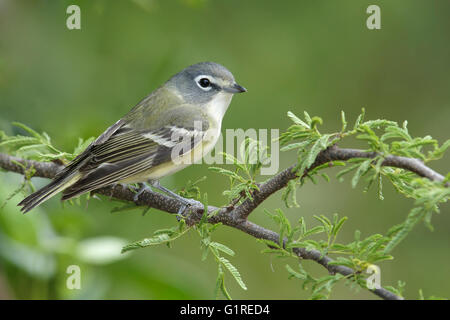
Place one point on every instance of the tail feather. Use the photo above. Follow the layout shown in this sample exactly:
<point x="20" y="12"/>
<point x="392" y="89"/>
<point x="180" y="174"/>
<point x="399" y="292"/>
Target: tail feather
<point x="47" y="192"/>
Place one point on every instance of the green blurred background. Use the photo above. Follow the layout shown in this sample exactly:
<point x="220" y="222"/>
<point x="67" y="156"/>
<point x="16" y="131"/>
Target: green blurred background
<point x="295" y="55"/>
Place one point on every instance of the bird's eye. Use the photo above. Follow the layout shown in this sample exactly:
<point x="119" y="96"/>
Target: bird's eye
<point x="204" y="82"/>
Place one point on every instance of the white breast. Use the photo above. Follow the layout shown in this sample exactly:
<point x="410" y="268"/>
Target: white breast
<point x="215" y="111"/>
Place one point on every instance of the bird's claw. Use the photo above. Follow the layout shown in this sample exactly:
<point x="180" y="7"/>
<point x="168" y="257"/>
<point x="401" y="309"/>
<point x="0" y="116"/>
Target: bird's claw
<point x="185" y="203"/>
<point x="182" y="211"/>
<point x="142" y="188"/>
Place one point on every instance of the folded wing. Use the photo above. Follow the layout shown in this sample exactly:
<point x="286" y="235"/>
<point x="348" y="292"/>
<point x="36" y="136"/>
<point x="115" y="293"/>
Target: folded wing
<point x="128" y="152"/>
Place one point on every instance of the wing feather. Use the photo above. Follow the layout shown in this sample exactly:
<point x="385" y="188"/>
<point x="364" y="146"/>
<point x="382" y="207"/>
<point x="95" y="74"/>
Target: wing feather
<point x="129" y="152"/>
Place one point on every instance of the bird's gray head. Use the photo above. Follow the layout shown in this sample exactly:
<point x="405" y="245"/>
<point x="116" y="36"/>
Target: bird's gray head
<point x="202" y="82"/>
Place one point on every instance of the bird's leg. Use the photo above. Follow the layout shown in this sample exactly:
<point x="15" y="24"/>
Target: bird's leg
<point x="142" y="188"/>
<point x="185" y="202"/>
<point x="113" y="187"/>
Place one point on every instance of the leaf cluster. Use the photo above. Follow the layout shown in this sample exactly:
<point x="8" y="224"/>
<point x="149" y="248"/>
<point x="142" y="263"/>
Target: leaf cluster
<point x="207" y="245"/>
<point x="357" y="255"/>
<point x="243" y="178"/>
<point x="38" y="146"/>
<point x="384" y="138"/>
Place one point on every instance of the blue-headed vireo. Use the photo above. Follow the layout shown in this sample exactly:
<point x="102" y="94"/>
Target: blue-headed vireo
<point x="178" y="122"/>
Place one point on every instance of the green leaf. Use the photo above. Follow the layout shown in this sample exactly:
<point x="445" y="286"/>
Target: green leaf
<point x="28" y="129"/>
<point x="341" y="261"/>
<point x="347" y="170"/>
<point x="160" y="237"/>
<point x="220" y="284"/>
<point x="316" y="121"/>
<point x="222" y="247"/>
<point x="394" y="132"/>
<point x="359" y="119"/>
<point x="307" y="118"/>
<point x="234" y="272"/>
<point x="344" y="122"/>
<point x="270" y="243"/>
<point x="297" y="120"/>
<point x="413" y="217"/>
<point x="296" y="274"/>
<point x="337" y="226"/>
<point x="325" y="222"/>
<point x="317" y="147"/>
<point x="362" y="169"/>
<point x="314" y="230"/>
<point x="297" y="145"/>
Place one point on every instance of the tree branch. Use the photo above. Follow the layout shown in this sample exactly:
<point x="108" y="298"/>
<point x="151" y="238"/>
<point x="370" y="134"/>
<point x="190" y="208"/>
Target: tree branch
<point x="236" y="217"/>
<point x="328" y="155"/>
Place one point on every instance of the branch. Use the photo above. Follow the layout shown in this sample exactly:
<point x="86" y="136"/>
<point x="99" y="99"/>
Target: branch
<point x="236" y="217"/>
<point x="328" y="155"/>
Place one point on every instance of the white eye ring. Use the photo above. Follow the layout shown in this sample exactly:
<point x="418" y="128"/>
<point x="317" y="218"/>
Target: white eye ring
<point x="200" y="77"/>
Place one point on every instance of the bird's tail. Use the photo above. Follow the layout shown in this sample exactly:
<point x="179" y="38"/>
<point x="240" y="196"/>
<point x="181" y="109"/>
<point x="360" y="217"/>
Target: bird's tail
<point x="48" y="191"/>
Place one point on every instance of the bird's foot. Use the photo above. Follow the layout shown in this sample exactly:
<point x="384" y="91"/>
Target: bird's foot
<point x="183" y="211"/>
<point x="113" y="187"/>
<point x="186" y="203"/>
<point x="142" y="187"/>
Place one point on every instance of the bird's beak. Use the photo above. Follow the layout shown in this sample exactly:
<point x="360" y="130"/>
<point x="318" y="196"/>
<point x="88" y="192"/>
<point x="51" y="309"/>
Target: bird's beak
<point x="235" y="88"/>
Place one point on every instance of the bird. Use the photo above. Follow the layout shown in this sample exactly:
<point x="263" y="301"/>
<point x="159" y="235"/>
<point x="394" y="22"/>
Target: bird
<point x="174" y="126"/>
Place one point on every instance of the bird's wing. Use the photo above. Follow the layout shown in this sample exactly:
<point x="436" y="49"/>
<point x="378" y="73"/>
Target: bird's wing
<point x="140" y="117"/>
<point x="84" y="156"/>
<point x="128" y="152"/>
